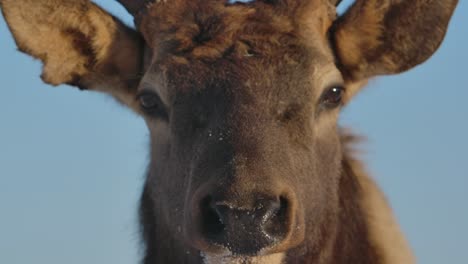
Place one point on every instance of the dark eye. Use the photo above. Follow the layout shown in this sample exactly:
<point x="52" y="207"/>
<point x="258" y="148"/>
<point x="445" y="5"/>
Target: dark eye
<point x="333" y="97"/>
<point x="152" y="104"/>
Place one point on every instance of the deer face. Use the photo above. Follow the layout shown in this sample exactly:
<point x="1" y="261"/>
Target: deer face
<point x="241" y="101"/>
<point x="243" y="125"/>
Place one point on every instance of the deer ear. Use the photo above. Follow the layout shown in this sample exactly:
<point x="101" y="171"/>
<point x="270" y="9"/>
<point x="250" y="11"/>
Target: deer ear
<point x="79" y="44"/>
<point x="378" y="37"/>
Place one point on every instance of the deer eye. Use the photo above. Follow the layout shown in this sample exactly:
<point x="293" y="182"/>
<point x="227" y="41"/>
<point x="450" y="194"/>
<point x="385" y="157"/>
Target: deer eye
<point x="152" y="105"/>
<point x="332" y="97"/>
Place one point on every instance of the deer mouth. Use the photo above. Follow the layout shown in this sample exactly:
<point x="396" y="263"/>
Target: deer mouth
<point x="228" y="258"/>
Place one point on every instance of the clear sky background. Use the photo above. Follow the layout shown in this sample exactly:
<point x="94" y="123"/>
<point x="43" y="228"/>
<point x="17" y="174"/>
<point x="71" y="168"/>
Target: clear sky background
<point x="72" y="163"/>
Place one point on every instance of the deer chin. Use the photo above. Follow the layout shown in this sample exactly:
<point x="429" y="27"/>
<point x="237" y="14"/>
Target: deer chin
<point x="233" y="259"/>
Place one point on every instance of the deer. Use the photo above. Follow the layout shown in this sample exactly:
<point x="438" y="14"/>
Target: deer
<point x="241" y="98"/>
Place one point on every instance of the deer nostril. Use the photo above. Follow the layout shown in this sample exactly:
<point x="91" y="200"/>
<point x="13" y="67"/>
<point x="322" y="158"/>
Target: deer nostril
<point x="212" y="222"/>
<point x="275" y="218"/>
<point x="247" y="224"/>
<point x="242" y="229"/>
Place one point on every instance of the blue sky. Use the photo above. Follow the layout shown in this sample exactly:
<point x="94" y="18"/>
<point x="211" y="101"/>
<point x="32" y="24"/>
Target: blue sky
<point x="72" y="163"/>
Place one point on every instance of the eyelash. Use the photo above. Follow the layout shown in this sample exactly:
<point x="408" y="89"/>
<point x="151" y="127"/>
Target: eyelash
<point x="332" y="97"/>
<point x="152" y="105"/>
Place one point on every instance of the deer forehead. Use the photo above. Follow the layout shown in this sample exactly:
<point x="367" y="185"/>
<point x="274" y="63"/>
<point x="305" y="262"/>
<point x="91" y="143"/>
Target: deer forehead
<point x="208" y="29"/>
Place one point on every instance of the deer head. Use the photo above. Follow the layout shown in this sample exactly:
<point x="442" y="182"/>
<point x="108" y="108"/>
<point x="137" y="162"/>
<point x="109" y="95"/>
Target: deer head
<point x="242" y="101"/>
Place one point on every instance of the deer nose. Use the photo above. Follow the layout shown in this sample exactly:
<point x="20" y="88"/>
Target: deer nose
<point x="245" y="230"/>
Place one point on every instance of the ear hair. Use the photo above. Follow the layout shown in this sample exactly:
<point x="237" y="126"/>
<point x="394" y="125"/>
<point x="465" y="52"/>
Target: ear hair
<point x="79" y="44"/>
<point x="377" y="37"/>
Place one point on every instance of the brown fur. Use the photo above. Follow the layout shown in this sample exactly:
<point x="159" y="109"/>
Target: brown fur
<point x="240" y="126"/>
<point x="372" y="38"/>
<point x="77" y="42"/>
